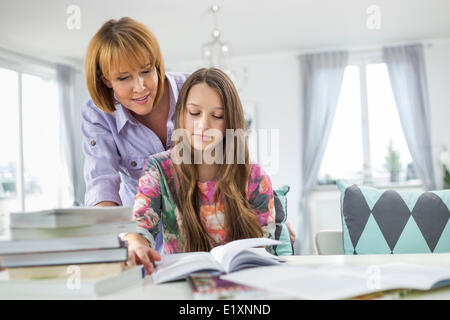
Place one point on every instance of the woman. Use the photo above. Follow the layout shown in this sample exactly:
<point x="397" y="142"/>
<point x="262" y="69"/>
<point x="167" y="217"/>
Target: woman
<point x="202" y="203"/>
<point x="130" y="113"/>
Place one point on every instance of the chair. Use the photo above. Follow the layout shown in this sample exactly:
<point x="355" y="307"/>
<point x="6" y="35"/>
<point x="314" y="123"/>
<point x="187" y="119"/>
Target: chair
<point x="329" y="242"/>
<point x="281" y="230"/>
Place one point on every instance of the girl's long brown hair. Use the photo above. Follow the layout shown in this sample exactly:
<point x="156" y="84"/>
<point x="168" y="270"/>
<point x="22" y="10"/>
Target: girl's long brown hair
<point x="240" y="221"/>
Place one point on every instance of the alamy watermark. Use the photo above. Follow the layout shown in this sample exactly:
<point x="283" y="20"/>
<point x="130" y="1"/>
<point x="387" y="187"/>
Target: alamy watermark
<point x="74" y="280"/>
<point x="262" y="142"/>
<point x="373" y="276"/>
<point x="73" y="21"/>
<point x="373" y="21"/>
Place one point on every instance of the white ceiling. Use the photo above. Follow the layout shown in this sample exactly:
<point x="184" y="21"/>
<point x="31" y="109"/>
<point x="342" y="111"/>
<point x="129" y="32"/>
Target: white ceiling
<point x="38" y="28"/>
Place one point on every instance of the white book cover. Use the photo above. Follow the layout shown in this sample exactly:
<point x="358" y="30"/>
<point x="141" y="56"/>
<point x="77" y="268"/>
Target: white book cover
<point x="107" y="241"/>
<point x="70" y="217"/>
<point x="69" y="232"/>
<point x="64" y="257"/>
<point x="230" y="257"/>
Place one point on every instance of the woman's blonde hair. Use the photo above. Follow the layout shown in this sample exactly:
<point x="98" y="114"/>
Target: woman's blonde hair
<point x="232" y="179"/>
<point x="119" y="41"/>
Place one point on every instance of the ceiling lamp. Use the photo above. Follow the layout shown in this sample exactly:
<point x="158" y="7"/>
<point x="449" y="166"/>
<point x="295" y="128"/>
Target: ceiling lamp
<point x="217" y="53"/>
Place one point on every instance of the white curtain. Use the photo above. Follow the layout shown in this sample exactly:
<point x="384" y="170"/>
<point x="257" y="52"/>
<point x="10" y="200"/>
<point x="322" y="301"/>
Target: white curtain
<point x="407" y="73"/>
<point x="70" y="131"/>
<point x="322" y="75"/>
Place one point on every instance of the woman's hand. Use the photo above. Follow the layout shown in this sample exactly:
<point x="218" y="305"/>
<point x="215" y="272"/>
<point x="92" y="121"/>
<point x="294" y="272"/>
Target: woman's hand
<point x="106" y="204"/>
<point x="139" y="252"/>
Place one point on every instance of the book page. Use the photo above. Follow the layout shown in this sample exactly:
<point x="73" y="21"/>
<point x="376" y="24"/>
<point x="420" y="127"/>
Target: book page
<point x="306" y="282"/>
<point x="401" y="275"/>
<point x="224" y="254"/>
<point x="341" y="282"/>
<point x="414" y="276"/>
<point x="179" y="265"/>
<point x="252" y="257"/>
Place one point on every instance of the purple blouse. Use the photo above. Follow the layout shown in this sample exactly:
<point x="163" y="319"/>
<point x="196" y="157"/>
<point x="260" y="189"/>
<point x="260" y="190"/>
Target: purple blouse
<point x="116" y="148"/>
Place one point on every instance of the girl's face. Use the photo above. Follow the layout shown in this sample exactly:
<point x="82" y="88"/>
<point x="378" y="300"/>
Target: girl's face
<point x="135" y="89"/>
<point x="204" y="116"/>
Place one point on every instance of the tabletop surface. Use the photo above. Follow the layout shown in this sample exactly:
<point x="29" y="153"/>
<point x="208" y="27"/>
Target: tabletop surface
<point x="180" y="290"/>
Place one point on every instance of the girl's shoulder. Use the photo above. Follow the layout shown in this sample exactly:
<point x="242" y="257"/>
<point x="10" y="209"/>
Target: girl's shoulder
<point x="257" y="172"/>
<point x="158" y="158"/>
<point x="162" y="161"/>
<point x="259" y="181"/>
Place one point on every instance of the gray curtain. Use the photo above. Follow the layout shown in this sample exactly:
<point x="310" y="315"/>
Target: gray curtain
<point x="407" y="73"/>
<point x="322" y="75"/>
<point x="70" y="132"/>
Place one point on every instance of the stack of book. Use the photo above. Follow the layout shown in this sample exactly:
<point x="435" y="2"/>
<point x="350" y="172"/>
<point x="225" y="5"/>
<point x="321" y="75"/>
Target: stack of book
<point x="49" y="250"/>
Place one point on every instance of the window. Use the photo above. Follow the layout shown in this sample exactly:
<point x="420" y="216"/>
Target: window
<point x="30" y="161"/>
<point x="366" y="143"/>
<point x="9" y="142"/>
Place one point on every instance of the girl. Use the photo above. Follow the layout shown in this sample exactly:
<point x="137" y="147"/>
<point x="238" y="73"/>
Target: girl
<point x="201" y="204"/>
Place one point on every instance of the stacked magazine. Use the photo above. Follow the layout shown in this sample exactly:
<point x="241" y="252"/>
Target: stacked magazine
<point x="45" y="249"/>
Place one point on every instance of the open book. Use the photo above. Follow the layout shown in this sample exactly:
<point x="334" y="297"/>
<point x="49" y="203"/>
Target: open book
<point x="332" y="282"/>
<point x="233" y="256"/>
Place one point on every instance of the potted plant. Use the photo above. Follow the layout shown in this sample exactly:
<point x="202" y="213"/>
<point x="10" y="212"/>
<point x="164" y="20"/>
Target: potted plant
<point x="392" y="163"/>
<point x="445" y="160"/>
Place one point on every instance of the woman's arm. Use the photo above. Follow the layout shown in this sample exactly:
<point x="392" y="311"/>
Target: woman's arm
<point x="101" y="165"/>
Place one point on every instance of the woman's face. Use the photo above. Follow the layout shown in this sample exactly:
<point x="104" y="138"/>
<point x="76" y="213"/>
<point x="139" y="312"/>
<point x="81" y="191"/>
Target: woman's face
<point x="204" y="116"/>
<point x="135" y="89"/>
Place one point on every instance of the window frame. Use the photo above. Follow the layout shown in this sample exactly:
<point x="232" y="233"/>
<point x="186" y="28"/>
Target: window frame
<point x="360" y="59"/>
<point x="24" y="65"/>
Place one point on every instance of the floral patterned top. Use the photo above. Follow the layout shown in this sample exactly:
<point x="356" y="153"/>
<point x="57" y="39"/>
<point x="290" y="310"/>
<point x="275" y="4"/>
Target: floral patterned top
<point x="154" y="206"/>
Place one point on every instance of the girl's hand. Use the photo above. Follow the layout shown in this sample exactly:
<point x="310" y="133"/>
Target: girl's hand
<point x="139" y="252"/>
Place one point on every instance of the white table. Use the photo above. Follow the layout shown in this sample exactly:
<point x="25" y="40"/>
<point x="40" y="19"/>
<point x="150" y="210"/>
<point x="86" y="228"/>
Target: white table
<point x="180" y="290"/>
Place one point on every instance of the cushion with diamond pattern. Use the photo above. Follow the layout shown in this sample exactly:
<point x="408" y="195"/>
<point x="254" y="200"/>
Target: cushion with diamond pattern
<point x="376" y="221"/>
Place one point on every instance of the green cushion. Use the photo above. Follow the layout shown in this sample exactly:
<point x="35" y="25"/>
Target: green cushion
<point x="378" y="221"/>
<point x="281" y="231"/>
